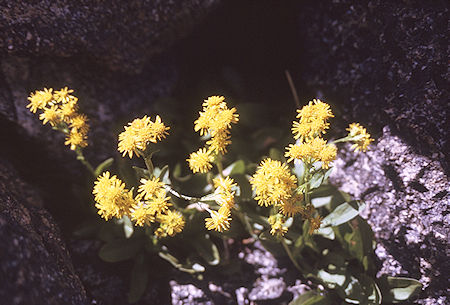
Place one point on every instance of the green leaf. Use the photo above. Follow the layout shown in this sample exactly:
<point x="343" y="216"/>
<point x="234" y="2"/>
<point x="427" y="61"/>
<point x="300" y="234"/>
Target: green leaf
<point x="343" y="213"/>
<point x="120" y="249"/>
<point x="141" y="173"/>
<point x="403" y="288"/>
<point x="316" y="180"/>
<point x="103" y="166"/>
<point x="326" y="232"/>
<point x="321" y="201"/>
<point x="276" y="154"/>
<point x="164" y="174"/>
<point x="87" y="230"/>
<point x="138" y="279"/>
<point x="244" y="186"/>
<point x="237" y="167"/>
<point x="128" y="227"/>
<point x="188" y="267"/>
<point x="311" y="298"/>
<point x="207" y="250"/>
<point x="299" y="169"/>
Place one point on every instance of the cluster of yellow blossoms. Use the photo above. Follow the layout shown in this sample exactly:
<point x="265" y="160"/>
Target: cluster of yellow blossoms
<point x="149" y="205"/>
<point x="60" y="110"/>
<point x="139" y="133"/>
<point x="224" y="196"/>
<point x="359" y="136"/>
<point x="215" y="120"/>
<point x="308" y="130"/>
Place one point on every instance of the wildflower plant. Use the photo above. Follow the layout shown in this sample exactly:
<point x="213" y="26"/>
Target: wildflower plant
<point x="285" y="201"/>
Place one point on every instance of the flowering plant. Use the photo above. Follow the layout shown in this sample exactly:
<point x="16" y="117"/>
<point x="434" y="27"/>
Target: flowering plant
<point x="285" y="201"/>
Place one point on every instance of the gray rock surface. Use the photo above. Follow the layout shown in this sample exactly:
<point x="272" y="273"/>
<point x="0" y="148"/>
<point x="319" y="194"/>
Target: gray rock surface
<point x="35" y="266"/>
<point x="387" y="61"/>
<point x="121" y="35"/>
<point x="408" y="199"/>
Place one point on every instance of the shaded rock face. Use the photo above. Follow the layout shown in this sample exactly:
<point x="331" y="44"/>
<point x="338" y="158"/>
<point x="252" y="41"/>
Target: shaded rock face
<point x="121" y="35"/>
<point x="35" y="267"/>
<point x="387" y="61"/>
<point x="408" y="207"/>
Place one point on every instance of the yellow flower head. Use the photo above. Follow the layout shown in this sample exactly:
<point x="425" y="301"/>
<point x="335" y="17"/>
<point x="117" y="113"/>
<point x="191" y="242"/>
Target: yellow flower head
<point x="219" y="142"/>
<point x="200" y="161"/>
<point x="171" y="224"/>
<point x="360" y="137"/>
<point x="291" y="206"/>
<point x="69" y="110"/>
<point x="40" y="99"/>
<point x="141" y="215"/>
<point x="111" y="196"/>
<point x="159" y="204"/>
<point x="151" y="188"/>
<point x="224" y="184"/>
<point x="327" y="155"/>
<point x="216" y="119"/>
<point x="63" y="95"/>
<point x="80" y="122"/>
<point x="277" y="224"/>
<point x="273" y="182"/>
<point x="76" y="139"/>
<point x="219" y="220"/>
<point x="313" y="120"/>
<point x="51" y="114"/>
<point x="139" y="133"/>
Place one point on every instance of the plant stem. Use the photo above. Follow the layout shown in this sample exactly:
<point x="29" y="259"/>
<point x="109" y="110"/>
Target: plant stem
<point x="149" y="164"/>
<point x="291" y="257"/>
<point x="293" y="89"/>
<point x="85" y="162"/>
<point x="219" y="165"/>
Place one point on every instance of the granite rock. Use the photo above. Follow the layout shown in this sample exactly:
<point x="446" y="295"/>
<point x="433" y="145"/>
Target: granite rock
<point x="35" y="266"/>
<point x="408" y="206"/>
<point x="122" y="36"/>
<point x="386" y="61"/>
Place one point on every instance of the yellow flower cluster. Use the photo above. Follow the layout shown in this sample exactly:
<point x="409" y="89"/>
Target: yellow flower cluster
<point x="215" y="120"/>
<point x="309" y="129"/>
<point x="60" y="110"/>
<point x="150" y="205"/>
<point x="224" y="194"/>
<point x="360" y="137"/>
<point x="140" y="133"/>
<point x="278" y="225"/>
<point x="273" y="183"/>
<point x="111" y="196"/>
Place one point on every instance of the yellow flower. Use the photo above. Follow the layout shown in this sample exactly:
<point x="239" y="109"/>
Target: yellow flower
<point x="327" y="155"/>
<point x="360" y="136"/>
<point x="111" y="196"/>
<point x="223" y="120"/>
<point x="291" y="206"/>
<point x="225" y="184"/>
<point x="219" y="220"/>
<point x="139" y="133"/>
<point x="273" y="182"/>
<point x="214" y="101"/>
<point x="151" y="188"/>
<point x="159" y="204"/>
<point x="300" y="152"/>
<point x="51" y="115"/>
<point x="200" y="161"/>
<point x="141" y="215"/>
<point x="158" y="129"/>
<point x="80" y="122"/>
<point x="219" y="142"/>
<point x="277" y="224"/>
<point x="64" y="96"/>
<point x="76" y="139"/>
<point x="69" y="110"/>
<point x="39" y="99"/>
<point x="313" y="120"/>
<point x="171" y="224"/>
<point x="315" y="224"/>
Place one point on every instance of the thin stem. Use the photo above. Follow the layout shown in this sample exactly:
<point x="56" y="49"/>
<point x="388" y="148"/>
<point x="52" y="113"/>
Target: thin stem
<point x="291" y="257"/>
<point x="219" y="165"/>
<point x="149" y="164"/>
<point x="85" y="162"/>
<point x="345" y="139"/>
<point x="293" y="89"/>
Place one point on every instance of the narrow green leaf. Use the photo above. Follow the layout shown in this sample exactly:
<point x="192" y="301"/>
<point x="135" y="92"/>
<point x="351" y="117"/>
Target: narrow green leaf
<point x="311" y="298"/>
<point x="128" y="227"/>
<point x="237" y="167"/>
<point x="138" y="279"/>
<point x="343" y="213"/>
<point x="120" y="249"/>
<point x="141" y="173"/>
<point x="403" y="288"/>
<point x="164" y="174"/>
<point x="207" y="250"/>
<point x="321" y="201"/>
<point x="103" y="166"/>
